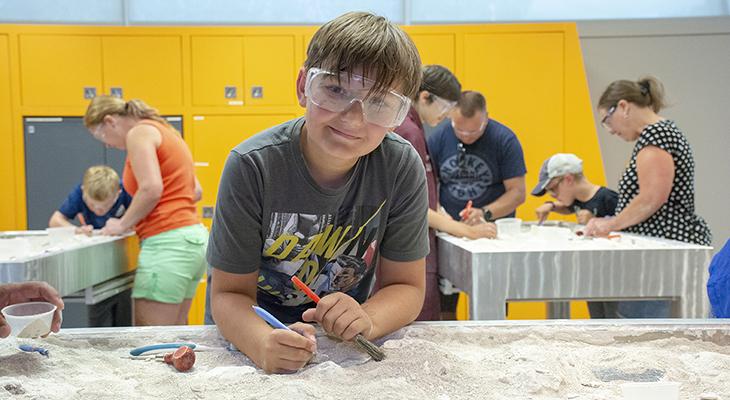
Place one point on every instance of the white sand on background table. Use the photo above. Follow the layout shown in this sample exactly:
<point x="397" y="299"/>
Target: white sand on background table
<point x="423" y="362"/>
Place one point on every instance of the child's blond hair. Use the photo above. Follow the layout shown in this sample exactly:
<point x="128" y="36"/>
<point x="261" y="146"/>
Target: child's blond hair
<point x="100" y="183"/>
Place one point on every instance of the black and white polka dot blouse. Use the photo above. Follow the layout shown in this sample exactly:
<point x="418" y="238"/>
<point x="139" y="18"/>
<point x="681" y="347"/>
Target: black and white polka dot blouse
<point x="676" y="219"/>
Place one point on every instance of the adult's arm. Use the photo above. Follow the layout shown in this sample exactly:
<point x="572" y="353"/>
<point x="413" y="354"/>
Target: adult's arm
<point x="655" y="170"/>
<point x="142" y="143"/>
<point x="444" y="223"/>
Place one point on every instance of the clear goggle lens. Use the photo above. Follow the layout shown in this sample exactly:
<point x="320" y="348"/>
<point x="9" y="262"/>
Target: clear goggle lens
<point x="337" y="93"/>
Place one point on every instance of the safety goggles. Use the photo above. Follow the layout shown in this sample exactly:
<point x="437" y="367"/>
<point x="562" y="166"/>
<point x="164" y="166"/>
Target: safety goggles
<point x="443" y="105"/>
<point x="469" y="133"/>
<point x="337" y="92"/>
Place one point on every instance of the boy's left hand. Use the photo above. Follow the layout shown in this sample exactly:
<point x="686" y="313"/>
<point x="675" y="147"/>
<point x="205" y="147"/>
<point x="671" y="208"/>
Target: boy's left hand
<point x="113" y="227"/>
<point x="340" y="315"/>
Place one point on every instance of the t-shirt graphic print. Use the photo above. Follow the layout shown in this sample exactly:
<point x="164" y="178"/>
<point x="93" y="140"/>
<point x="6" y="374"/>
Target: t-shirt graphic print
<point x="325" y="256"/>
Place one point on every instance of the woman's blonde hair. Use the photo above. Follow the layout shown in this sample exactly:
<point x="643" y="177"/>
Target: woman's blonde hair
<point x="101" y="106"/>
<point x="100" y="183"/>
<point x="646" y="92"/>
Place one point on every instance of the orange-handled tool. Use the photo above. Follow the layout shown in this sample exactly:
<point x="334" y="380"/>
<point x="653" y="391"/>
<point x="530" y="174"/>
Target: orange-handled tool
<point x="373" y="350"/>
<point x="464" y="214"/>
<point x="303" y="286"/>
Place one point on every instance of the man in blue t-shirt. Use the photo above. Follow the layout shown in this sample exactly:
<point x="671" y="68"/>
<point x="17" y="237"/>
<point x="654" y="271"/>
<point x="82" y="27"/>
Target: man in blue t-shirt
<point x="99" y="197"/>
<point x="479" y="160"/>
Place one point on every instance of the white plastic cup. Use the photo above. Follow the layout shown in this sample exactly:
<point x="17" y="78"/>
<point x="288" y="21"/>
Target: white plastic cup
<point x="650" y="390"/>
<point x="29" y="320"/>
<point x="508" y="227"/>
<point x="61" y="233"/>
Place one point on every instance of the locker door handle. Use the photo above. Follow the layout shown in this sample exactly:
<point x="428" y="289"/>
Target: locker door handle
<point x="201" y="164"/>
<point x="89" y="92"/>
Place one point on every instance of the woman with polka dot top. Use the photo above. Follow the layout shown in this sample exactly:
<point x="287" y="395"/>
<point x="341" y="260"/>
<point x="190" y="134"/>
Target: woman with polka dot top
<point x="656" y="191"/>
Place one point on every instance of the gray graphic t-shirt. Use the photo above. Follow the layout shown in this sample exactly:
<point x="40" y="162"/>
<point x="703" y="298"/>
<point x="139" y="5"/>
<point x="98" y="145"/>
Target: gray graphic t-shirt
<point x="272" y="217"/>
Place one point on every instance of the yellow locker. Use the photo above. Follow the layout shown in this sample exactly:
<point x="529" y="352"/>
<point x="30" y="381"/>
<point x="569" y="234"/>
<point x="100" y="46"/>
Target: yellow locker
<point x="214" y="137"/>
<point x="196" y="314"/>
<point x="144" y="67"/>
<point x="217" y="64"/>
<point x="56" y="69"/>
<point x="270" y="71"/>
<point x="521" y="75"/>
<point x="436" y="49"/>
<point x="7" y="159"/>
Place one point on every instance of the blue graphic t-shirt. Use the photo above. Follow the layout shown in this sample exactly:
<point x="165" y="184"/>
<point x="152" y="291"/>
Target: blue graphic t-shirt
<point x="476" y="171"/>
<point x="74" y="205"/>
<point x="274" y="219"/>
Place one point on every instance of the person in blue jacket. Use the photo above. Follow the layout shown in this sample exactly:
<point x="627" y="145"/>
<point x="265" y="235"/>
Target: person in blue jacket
<point x="100" y="196"/>
<point x="718" y="286"/>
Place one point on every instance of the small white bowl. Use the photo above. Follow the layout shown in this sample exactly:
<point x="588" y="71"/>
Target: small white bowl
<point x="29" y="320"/>
<point x="650" y="390"/>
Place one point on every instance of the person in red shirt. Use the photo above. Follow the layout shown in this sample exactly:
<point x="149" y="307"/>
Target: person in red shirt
<point x="437" y="96"/>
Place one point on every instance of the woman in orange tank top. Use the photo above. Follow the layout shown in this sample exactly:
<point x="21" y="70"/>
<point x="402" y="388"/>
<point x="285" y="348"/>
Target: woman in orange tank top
<point x="159" y="174"/>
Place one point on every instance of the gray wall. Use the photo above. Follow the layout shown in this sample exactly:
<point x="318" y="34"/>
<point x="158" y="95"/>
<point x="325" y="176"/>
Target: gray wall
<point x="692" y="58"/>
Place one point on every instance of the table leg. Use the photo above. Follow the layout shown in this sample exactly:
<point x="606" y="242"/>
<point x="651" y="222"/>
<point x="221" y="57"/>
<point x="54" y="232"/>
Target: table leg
<point x="558" y="310"/>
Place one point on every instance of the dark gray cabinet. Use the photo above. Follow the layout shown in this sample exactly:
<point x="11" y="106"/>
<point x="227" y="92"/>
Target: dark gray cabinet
<point x="57" y="152"/>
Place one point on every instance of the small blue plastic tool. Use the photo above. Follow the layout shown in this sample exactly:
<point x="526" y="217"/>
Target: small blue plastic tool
<point x="266" y="316"/>
<point x="141" y="350"/>
<point x="30" y="349"/>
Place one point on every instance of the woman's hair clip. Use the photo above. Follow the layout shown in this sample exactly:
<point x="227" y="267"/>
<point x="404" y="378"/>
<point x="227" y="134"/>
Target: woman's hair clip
<point x="644" y="87"/>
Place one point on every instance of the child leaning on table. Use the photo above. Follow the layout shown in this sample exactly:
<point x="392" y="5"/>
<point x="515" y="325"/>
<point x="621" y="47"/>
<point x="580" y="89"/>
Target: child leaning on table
<point x="97" y="198"/>
<point x="321" y="190"/>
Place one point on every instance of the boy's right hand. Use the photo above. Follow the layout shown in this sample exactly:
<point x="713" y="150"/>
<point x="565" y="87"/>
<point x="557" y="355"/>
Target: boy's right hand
<point x="286" y="351"/>
<point x="543" y="211"/>
<point x="85" y="230"/>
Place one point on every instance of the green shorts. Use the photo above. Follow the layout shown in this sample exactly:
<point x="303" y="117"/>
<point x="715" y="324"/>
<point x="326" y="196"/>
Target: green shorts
<point x="171" y="264"/>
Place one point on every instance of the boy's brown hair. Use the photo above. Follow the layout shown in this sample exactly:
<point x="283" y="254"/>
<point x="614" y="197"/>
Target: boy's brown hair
<point x="386" y="54"/>
<point x="470" y="102"/>
<point x="100" y="183"/>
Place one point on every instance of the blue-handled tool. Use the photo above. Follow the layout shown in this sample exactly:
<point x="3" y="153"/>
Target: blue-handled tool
<point x="141" y="350"/>
<point x="31" y="349"/>
<point x="266" y="316"/>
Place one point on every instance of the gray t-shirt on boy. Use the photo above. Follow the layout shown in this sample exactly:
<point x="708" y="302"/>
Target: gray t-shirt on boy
<point x="272" y="217"/>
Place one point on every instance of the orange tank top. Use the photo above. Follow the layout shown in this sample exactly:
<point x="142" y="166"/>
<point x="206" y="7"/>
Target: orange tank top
<point x="176" y="208"/>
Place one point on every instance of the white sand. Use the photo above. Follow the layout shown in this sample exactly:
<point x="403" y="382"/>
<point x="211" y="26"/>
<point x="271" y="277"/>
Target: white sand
<point x="549" y="238"/>
<point x="423" y="362"/>
<point x="23" y="248"/>
<point x="36" y="328"/>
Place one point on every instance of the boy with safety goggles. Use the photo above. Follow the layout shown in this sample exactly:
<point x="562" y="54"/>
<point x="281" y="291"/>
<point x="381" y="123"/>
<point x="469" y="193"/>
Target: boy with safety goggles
<point x="333" y="187"/>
